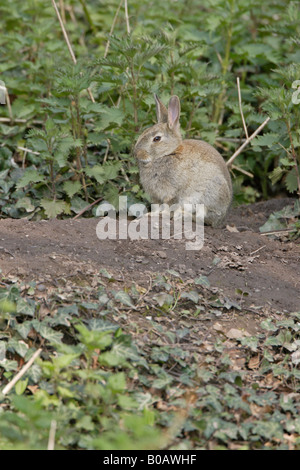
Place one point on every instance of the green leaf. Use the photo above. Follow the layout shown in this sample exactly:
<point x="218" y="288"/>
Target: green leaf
<point x="25" y="308"/>
<point x="124" y="298"/>
<point x="29" y="176"/>
<point x="20" y="347"/>
<point x="25" y="203"/>
<point x="96" y="172"/>
<point x="117" y="382"/>
<point x="268" y="325"/>
<point x="64" y="148"/>
<point x="72" y="187"/>
<point x="266" y="140"/>
<point x="272" y="224"/>
<point x="202" y="281"/>
<point x="110" y="116"/>
<point x="276" y="174"/>
<point x="191" y="295"/>
<point x="163" y="299"/>
<point x="20" y="386"/>
<point x="54" y="208"/>
<point x="291" y="181"/>
<point x="94" y="339"/>
<point x="47" y="333"/>
<point x="6" y="306"/>
<point x="104" y="173"/>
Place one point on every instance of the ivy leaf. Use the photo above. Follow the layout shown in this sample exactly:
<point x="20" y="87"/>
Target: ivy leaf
<point x="192" y="295"/>
<point x="3" y="345"/>
<point x="20" y="347"/>
<point x="124" y="298"/>
<point x="117" y="382"/>
<point x="25" y="308"/>
<point x="20" y="386"/>
<point x="25" y="203"/>
<point x="163" y="299"/>
<point x="24" y="328"/>
<point x="202" y="281"/>
<point x="119" y="354"/>
<point x="273" y="223"/>
<point x="48" y="333"/>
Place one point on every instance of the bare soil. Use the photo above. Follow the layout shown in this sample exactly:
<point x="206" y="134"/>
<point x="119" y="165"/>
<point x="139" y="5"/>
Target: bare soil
<point x="252" y="270"/>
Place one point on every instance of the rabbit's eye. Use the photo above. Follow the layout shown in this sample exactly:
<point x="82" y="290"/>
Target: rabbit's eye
<point x="157" y="138"/>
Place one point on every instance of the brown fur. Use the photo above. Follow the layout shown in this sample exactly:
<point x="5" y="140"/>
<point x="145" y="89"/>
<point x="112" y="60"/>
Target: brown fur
<point x="176" y="171"/>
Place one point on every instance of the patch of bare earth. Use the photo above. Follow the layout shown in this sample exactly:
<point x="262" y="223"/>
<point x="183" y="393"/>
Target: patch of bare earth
<point x="255" y="276"/>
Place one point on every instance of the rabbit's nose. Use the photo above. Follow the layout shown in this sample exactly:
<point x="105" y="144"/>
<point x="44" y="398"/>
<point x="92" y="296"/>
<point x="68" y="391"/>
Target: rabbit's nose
<point x="142" y="155"/>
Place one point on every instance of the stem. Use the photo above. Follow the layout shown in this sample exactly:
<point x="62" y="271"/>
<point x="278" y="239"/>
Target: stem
<point x="225" y="66"/>
<point x="52" y="179"/>
<point x="88" y="16"/>
<point x="135" y="100"/>
<point x="192" y="113"/>
<point x="294" y="155"/>
<point x="77" y="130"/>
<point x="172" y="74"/>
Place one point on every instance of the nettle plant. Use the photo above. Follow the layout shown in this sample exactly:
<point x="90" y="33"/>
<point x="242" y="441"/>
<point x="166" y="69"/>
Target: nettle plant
<point x="79" y="151"/>
<point x="283" y="106"/>
<point x="64" y="167"/>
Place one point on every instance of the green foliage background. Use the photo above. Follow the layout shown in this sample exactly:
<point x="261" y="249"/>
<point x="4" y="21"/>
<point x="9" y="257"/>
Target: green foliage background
<point x="79" y="151"/>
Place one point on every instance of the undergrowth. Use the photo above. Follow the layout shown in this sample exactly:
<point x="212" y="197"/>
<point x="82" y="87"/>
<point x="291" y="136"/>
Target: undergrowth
<point x="166" y="384"/>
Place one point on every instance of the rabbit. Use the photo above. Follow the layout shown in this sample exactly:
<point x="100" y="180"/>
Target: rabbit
<point x="176" y="171"/>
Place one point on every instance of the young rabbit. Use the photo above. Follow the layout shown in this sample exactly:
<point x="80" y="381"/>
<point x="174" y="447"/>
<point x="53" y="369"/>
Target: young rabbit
<point x="176" y="171"/>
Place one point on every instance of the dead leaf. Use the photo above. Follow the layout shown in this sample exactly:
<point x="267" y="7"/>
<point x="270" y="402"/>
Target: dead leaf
<point x="254" y="362"/>
<point x="259" y="411"/>
<point x="234" y="333"/>
<point x="33" y="388"/>
<point x="232" y="229"/>
<point x="218" y="327"/>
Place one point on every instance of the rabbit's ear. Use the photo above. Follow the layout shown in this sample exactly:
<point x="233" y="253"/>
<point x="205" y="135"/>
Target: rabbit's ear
<point x="161" y="110"/>
<point x="174" y="112"/>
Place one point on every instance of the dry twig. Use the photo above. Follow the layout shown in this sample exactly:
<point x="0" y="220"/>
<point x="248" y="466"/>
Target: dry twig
<point x="241" y="148"/>
<point x="112" y="28"/>
<point x="248" y="139"/>
<point x="68" y="42"/>
<point x="127" y="17"/>
<point x="51" y="440"/>
<point x="87" y="208"/>
<point x="20" y="374"/>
